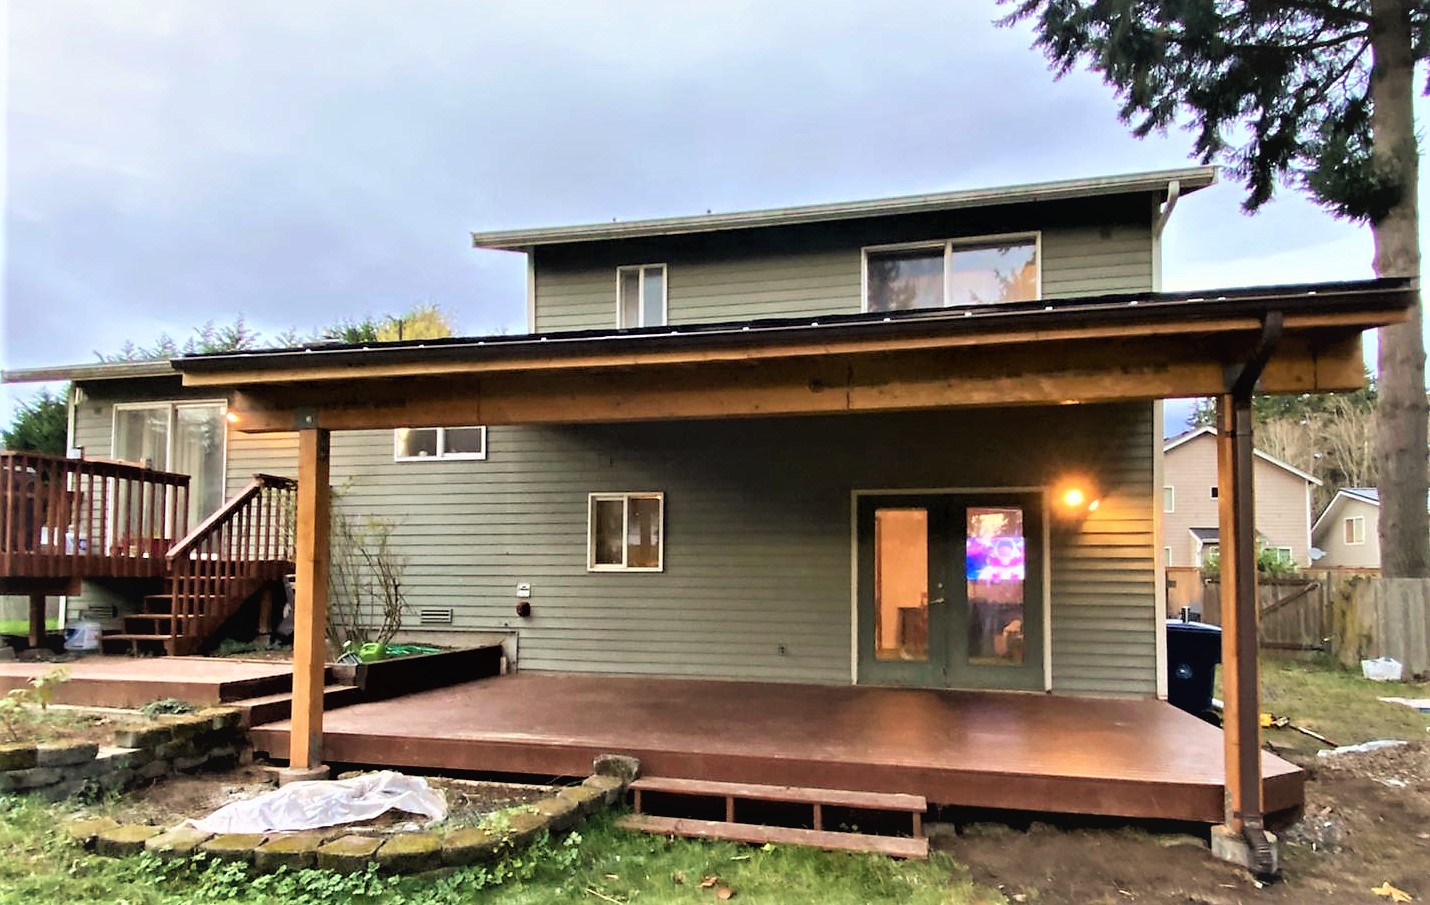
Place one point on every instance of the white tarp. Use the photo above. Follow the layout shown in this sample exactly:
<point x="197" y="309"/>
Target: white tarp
<point x="313" y="805"/>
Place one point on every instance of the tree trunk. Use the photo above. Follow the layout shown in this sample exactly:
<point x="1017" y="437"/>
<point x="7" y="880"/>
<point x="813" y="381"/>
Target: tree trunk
<point x="1401" y="411"/>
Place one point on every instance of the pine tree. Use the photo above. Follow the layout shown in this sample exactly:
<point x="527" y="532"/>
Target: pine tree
<point x="40" y="425"/>
<point x="1316" y="94"/>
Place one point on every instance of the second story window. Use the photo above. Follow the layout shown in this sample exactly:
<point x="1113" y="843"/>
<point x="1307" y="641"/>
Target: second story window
<point x="640" y="296"/>
<point x="955" y="273"/>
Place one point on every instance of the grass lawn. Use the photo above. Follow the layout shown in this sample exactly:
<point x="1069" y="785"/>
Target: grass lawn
<point x="22" y="626"/>
<point x="1339" y="704"/>
<point x="603" y="864"/>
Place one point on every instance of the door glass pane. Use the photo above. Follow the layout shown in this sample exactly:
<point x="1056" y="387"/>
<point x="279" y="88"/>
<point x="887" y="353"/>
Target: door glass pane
<point x="996" y="574"/>
<point x="989" y="274"/>
<point x="630" y="292"/>
<point x="901" y="570"/>
<point x="654" y="304"/>
<point x="905" y="279"/>
<point x="606" y="532"/>
<point x="141" y="436"/>
<point x="643" y="533"/>
<point x="198" y="453"/>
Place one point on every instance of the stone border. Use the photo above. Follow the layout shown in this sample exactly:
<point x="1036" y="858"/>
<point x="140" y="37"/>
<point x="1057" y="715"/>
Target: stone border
<point x="343" y="851"/>
<point x="180" y="743"/>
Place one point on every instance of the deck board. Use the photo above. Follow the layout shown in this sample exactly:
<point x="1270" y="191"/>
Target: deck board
<point x="1129" y="758"/>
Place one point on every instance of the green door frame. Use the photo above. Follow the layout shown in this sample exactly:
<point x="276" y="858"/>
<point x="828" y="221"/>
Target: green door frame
<point x="947" y="665"/>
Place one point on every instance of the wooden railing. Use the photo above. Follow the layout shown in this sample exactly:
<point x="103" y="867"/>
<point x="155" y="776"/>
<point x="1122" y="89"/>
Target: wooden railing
<point x="231" y="555"/>
<point x="63" y="518"/>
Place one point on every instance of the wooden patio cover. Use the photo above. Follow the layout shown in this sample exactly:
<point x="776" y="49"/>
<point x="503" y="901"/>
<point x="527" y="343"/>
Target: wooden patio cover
<point x="1222" y="343"/>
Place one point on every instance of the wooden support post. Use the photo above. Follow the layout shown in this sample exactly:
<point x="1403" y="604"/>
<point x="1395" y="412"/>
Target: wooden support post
<point x="37" y="620"/>
<point x="265" y="614"/>
<point x="310" y="605"/>
<point x="1239" y="613"/>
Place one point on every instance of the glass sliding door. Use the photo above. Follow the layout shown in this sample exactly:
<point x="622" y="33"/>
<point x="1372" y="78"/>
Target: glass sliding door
<point x="181" y="437"/>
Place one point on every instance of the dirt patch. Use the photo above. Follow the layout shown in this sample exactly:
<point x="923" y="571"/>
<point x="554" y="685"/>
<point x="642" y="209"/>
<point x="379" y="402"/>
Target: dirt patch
<point x="179" y="798"/>
<point x="67" y="724"/>
<point x="1358" y="833"/>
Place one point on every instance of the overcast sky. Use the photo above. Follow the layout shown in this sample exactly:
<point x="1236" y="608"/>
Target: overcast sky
<point x="175" y="161"/>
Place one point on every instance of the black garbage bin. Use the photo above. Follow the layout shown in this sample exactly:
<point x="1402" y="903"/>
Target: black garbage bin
<point x="1193" y="651"/>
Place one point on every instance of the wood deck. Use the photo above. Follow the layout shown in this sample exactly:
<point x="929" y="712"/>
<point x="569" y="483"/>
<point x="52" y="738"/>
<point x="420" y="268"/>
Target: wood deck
<point x="128" y="682"/>
<point x="1032" y="752"/>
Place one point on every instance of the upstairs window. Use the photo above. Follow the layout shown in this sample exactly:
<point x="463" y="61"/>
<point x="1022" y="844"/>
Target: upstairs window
<point x="1355" y="530"/>
<point x="640" y="296"/>
<point x="430" y="444"/>
<point x="1169" y="499"/>
<point x="956" y="273"/>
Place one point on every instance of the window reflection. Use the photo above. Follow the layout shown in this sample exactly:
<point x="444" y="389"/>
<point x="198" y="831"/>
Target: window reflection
<point x="996" y="572"/>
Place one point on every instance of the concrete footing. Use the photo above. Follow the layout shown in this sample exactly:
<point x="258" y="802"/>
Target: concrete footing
<point x="296" y="774"/>
<point x="1233" y="847"/>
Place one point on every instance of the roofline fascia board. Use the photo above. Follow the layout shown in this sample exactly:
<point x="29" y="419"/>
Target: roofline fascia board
<point x="1206" y="430"/>
<point x="1331" y="306"/>
<point x="1188" y="179"/>
<point x="110" y="370"/>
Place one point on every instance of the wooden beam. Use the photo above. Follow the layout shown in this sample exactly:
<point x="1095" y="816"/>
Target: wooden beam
<point x="37" y="620"/>
<point x="310" y="609"/>
<point x="738" y="350"/>
<point x="1031" y="374"/>
<point x="1241" y="726"/>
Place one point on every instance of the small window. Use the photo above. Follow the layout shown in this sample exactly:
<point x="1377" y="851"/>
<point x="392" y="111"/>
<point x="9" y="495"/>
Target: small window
<point x="426" y="444"/>
<point x="626" y="532"/>
<point x="1166" y="556"/>
<point x="956" y="273"/>
<point x="1355" y="530"/>
<point x="1169" y="499"/>
<point x="1214" y="492"/>
<point x="640" y="296"/>
<point x="1285" y="554"/>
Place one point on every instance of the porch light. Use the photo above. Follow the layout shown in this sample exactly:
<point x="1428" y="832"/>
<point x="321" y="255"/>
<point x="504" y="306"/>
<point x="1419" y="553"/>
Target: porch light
<point x="1073" y="497"/>
<point x="231" y="417"/>
<point x="1076" y="497"/>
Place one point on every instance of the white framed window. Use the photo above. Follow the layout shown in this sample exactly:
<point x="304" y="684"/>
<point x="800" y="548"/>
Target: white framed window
<point x="625" y="532"/>
<point x="1285" y="554"/>
<point x="1354" y="528"/>
<point x="434" y="444"/>
<point x="640" y="296"/>
<point x="1169" y="499"/>
<point x="954" y="273"/>
<point x="1166" y="556"/>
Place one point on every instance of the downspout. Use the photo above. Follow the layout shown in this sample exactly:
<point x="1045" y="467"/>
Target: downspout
<point x="1244" y="757"/>
<point x="1174" y="191"/>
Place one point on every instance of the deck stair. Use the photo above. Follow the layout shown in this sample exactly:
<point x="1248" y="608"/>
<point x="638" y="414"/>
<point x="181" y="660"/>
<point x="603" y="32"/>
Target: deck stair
<point x="734" y="794"/>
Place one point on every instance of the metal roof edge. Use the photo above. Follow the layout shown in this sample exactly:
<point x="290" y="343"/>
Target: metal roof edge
<point x="107" y="370"/>
<point x="1190" y="178"/>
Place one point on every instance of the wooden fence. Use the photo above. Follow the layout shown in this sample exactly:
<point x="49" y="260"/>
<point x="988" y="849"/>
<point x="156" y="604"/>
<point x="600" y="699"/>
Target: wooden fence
<point x="1351" y="614"/>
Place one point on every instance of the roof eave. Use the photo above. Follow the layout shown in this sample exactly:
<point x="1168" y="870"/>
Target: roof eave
<point x="1189" y="179"/>
<point x="109" y="370"/>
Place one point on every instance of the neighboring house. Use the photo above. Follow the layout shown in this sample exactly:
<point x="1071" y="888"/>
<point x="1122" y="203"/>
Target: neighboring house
<point x="1189" y="502"/>
<point x="825" y="444"/>
<point x="1346" y="531"/>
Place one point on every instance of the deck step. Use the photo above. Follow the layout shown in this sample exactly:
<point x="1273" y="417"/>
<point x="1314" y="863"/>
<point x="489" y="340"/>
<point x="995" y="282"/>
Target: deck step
<point x="755" y="834"/>
<point x="840" y="798"/>
<point x="273" y="708"/>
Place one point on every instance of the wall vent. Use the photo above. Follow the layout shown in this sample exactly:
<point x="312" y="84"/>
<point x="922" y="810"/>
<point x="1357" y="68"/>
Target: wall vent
<point x="439" y="615"/>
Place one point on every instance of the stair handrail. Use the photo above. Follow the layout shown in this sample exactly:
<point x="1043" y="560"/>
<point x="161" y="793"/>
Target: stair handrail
<point x="240" y="544"/>
<point x="224" y="513"/>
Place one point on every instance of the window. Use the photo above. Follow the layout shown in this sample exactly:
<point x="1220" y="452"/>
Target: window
<point x="956" y="273"/>
<point x="1166" y="556"/>
<point x="1355" y="530"/>
<point x="626" y="532"/>
<point x="1214" y="492"/>
<point x="1285" y="554"/>
<point x="181" y="437"/>
<point x="640" y="296"/>
<point x="427" y="444"/>
<point x="1169" y="499"/>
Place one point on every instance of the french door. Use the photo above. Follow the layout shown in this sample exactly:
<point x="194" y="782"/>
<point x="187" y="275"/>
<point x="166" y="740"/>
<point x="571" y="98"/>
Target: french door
<point x="950" y="590"/>
<point x="182" y="437"/>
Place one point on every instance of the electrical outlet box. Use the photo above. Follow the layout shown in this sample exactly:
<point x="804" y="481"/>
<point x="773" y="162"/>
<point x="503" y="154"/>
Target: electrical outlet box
<point x="523" y="591"/>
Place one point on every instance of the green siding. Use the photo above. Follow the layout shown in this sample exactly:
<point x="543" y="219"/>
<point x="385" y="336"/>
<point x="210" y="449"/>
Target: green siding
<point x="814" y="270"/>
<point x="758" y="532"/>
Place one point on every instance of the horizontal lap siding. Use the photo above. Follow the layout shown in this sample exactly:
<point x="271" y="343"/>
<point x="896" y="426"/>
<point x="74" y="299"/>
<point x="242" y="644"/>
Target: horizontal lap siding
<point x="810" y="272"/>
<point x="757" y="546"/>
